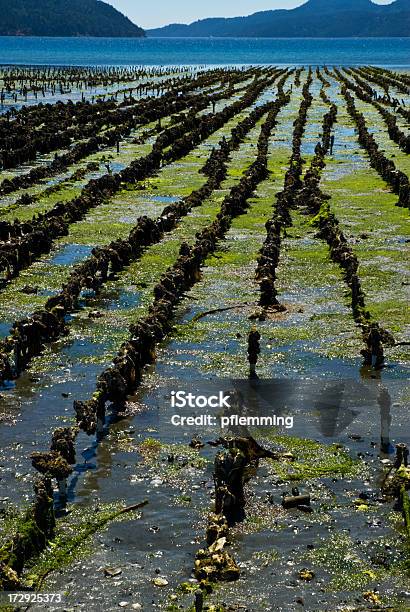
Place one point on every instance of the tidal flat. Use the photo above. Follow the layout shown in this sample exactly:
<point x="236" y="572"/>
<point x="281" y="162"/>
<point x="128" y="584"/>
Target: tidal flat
<point x="205" y="229"/>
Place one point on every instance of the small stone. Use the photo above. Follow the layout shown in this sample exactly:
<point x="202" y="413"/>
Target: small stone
<point x="160" y="582"/>
<point x="123" y="604"/>
<point x="306" y="575"/>
<point x="111" y="572"/>
<point x="136" y="606"/>
<point x="372" y="597"/>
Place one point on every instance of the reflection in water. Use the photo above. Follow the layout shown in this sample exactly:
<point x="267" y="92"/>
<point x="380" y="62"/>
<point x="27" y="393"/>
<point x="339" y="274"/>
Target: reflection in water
<point x="334" y="418"/>
<point x="384" y="402"/>
<point x="103" y="452"/>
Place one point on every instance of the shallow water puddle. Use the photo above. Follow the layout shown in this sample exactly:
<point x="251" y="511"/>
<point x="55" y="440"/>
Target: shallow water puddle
<point x="70" y="254"/>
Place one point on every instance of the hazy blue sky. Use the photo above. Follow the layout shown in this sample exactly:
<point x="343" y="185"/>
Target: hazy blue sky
<point x="153" y="13"/>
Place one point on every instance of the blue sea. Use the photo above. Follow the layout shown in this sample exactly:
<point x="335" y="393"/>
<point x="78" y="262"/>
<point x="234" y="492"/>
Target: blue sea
<point x="389" y="52"/>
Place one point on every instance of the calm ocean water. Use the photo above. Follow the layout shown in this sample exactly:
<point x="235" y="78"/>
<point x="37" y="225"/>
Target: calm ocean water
<point x="392" y="52"/>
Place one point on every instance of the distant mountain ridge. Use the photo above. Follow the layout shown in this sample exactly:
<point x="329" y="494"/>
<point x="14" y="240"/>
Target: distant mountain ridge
<point x="314" y="19"/>
<point x="64" y="18"/>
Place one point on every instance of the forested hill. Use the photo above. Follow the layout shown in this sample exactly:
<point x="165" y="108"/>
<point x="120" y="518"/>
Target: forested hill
<point x="64" y="18"/>
<point x="315" y="18"/>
